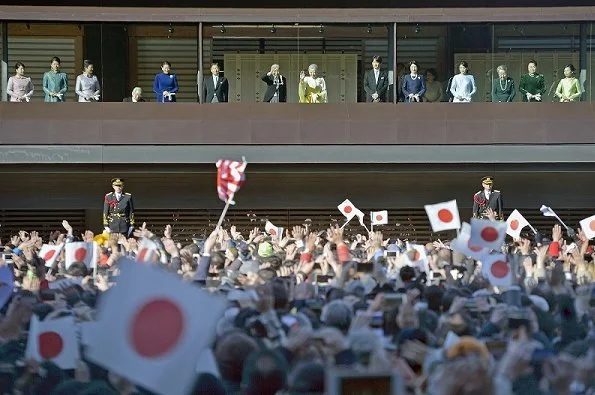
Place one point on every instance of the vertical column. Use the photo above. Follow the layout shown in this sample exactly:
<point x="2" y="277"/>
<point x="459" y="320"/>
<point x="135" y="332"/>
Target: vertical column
<point x="4" y="64"/>
<point x="392" y="61"/>
<point x="200" y="63"/>
<point x="583" y="58"/>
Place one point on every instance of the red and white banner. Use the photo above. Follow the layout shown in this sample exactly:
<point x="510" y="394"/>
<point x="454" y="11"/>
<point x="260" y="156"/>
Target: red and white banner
<point x="488" y="234"/>
<point x="230" y="178"/>
<point x="495" y="268"/>
<point x="49" y="253"/>
<point x="274" y="231"/>
<point x="379" y="217"/>
<point x="349" y="210"/>
<point x="463" y="245"/>
<point x="53" y="340"/>
<point x="588" y="226"/>
<point x="443" y="216"/>
<point x="515" y="224"/>
<point x="80" y="252"/>
<point x="147" y="251"/>
<point x="152" y="327"/>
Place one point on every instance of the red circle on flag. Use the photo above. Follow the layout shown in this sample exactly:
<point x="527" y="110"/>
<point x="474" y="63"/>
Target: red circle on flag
<point x="272" y="232"/>
<point x="348" y="209"/>
<point x="80" y="254"/>
<point x="489" y="234"/>
<point x="142" y="254"/>
<point x="156" y="328"/>
<point x="445" y="215"/>
<point x="49" y="255"/>
<point x="416" y="255"/>
<point x="592" y="225"/>
<point x="379" y="218"/>
<point x="50" y="345"/>
<point x="473" y="248"/>
<point x="499" y="269"/>
<point x="514" y="224"/>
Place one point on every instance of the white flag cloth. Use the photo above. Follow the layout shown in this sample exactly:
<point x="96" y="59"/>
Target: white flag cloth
<point x="379" y="217"/>
<point x="515" y="224"/>
<point x="49" y="253"/>
<point x="462" y="244"/>
<point x="416" y="256"/>
<point x="81" y="252"/>
<point x="349" y="210"/>
<point x="496" y="269"/>
<point x="547" y="211"/>
<point x="275" y="231"/>
<point x="443" y="216"/>
<point x="148" y="251"/>
<point x="588" y="226"/>
<point x="488" y="234"/>
<point x="152" y="327"/>
<point x="53" y="340"/>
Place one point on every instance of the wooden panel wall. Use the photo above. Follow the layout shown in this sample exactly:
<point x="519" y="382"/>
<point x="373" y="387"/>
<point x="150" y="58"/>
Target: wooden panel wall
<point x="245" y="71"/>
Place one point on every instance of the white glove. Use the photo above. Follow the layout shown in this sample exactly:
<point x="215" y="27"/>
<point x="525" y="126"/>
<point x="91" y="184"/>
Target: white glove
<point x="107" y="229"/>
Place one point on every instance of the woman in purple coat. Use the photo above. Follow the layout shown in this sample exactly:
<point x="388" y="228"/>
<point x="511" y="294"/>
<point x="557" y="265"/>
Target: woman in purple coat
<point x="414" y="85"/>
<point x="165" y="85"/>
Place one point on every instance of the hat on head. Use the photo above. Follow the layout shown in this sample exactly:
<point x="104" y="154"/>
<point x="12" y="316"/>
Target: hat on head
<point x="487" y="180"/>
<point x="117" y="182"/>
<point x="265" y="250"/>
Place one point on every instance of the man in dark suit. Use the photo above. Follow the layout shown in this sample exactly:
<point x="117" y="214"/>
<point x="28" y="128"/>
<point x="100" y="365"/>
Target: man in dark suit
<point x="376" y="82"/>
<point x="487" y="198"/>
<point x="276" y="86"/>
<point x="137" y="96"/>
<point x="118" y="210"/>
<point x="215" y="87"/>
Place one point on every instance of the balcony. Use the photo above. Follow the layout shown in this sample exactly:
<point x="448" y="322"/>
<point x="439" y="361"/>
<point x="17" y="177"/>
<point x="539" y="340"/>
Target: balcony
<point x="293" y="133"/>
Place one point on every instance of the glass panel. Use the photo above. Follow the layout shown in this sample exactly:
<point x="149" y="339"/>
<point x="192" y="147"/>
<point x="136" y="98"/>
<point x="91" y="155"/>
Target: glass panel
<point x="437" y="51"/>
<point x="548" y="47"/>
<point x="341" y="53"/>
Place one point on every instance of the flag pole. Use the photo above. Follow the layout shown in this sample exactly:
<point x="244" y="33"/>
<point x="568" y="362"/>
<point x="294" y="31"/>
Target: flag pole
<point x="229" y="200"/>
<point x="346" y="222"/>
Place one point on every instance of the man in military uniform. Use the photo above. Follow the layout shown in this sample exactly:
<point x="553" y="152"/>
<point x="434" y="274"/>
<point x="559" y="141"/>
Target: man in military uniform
<point x="487" y="198"/>
<point x="118" y="210"/>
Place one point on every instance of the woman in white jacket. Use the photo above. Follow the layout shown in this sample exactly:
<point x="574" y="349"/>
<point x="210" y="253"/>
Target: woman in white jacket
<point x="463" y="85"/>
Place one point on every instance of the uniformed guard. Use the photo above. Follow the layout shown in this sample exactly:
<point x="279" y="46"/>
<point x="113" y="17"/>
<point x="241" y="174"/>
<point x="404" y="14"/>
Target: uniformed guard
<point x="118" y="210"/>
<point x="487" y="198"/>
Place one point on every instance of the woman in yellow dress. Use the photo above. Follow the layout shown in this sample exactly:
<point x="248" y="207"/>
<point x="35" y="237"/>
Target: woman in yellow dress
<point x="312" y="89"/>
<point x="569" y="89"/>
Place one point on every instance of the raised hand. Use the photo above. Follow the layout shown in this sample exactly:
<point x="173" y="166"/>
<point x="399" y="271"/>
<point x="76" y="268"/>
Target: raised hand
<point x="235" y="234"/>
<point x="167" y="232"/>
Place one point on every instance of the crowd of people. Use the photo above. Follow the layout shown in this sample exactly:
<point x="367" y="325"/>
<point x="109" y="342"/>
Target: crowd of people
<point x="309" y="301"/>
<point x="413" y="86"/>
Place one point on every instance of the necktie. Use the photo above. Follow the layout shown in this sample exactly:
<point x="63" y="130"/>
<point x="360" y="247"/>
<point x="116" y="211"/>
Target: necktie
<point x="376" y="75"/>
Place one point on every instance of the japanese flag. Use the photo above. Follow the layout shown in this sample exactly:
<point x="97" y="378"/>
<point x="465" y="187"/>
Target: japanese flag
<point x="463" y="245"/>
<point x="416" y="256"/>
<point x="443" y="216"/>
<point x="495" y="268"/>
<point x="515" y="223"/>
<point x="488" y="234"/>
<point x="147" y="251"/>
<point x="53" y="340"/>
<point x="349" y="211"/>
<point x="547" y="211"/>
<point x="81" y="252"/>
<point x="152" y="327"/>
<point x="49" y="253"/>
<point x="588" y="226"/>
<point x="275" y="231"/>
<point x="379" y="217"/>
